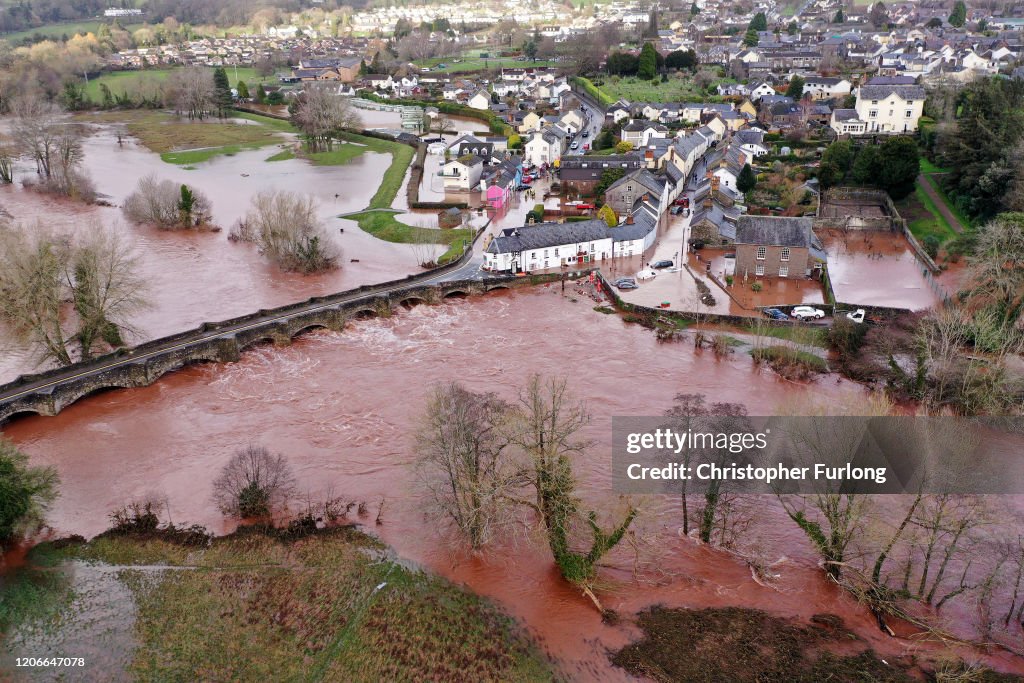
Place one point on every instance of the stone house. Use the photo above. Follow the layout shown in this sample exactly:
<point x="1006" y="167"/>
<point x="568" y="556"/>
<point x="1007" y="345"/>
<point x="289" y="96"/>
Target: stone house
<point x="775" y="246"/>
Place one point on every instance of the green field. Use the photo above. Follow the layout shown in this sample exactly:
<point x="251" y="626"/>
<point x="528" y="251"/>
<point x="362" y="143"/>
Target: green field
<point x="260" y="605"/>
<point x="382" y="224"/>
<point x="149" y="80"/>
<point x="57" y="31"/>
<point x="636" y="90"/>
<point x="180" y="141"/>
<point x="923" y="218"/>
<point x="471" y="61"/>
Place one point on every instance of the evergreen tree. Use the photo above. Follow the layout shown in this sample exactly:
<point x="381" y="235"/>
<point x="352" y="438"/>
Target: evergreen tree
<point x="377" y="65"/>
<point x="792" y="28"/>
<point x="958" y="17"/>
<point x="759" y="22"/>
<point x="879" y="15"/>
<point x="796" y="88"/>
<point x="261" y="95"/>
<point x="694" y="10"/>
<point x="648" y="66"/>
<point x="243" y="90"/>
<point x="746" y="180"/>
<point x="652" y="24"/>
<point x="751" y="39"/>
<point x="839" y="18"/>
<point x="221" y="92"/>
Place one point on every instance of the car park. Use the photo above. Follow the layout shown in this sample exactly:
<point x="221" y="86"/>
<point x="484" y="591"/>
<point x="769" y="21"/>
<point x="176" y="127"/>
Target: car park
<point x="665" y="263"/>
<point x="775" y="314"/>
<point x="807" y="313"/>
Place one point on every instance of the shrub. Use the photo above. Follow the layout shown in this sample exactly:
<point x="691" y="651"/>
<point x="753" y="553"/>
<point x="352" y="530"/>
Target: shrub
<point x="757" y="287"/>
<point x="25" y="493"/>
<point x="286" y="228"/>
<point x="167" y="205"/>
<point x="931" y="245"/>
<point x="254" y="483"/>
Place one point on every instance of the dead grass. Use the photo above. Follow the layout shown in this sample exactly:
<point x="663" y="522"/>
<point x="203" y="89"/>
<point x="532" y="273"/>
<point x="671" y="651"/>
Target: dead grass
<point x="745" y="646"/>
<point x="329" y="606"/>
<point x="162" y="132"/>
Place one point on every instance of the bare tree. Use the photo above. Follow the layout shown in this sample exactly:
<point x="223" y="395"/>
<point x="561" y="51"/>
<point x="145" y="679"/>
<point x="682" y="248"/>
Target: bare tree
<point x="254" y="483"/>
<point x="549" y="423"/>
<point x="192" y="91"/>
<point x="286" y="228"/>
<point x="465" y="461"/>
<point x="322" y="116"/>
<point x="37" y="127"/>
<point x="40" y="271"/>
<point x="167" y="205"/>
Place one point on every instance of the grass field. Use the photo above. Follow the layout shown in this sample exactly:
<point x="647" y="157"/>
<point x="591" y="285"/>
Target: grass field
<point x="180" y="141"/>
<point x="330" y="606"/>
<point x="923" y="218"/>
<point x="471" y="61"/>
<point x="148" y="80"/>
<point x="57" y="31"/>
<point x="383" y="225"/>
<point x="637" y="90"/>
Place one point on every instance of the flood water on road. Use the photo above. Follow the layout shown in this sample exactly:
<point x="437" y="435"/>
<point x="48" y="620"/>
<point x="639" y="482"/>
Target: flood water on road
<point x="343" y="408"/>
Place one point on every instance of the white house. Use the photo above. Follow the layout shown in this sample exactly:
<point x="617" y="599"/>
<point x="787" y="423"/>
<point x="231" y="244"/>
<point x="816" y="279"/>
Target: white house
<point x="544" y="147"/>
<point x="751" y="142"/>
<point x="480" y="100"/>
<point x="846" y="122"/>
<point x="890" y="108"/>
<point x="822" y="88"/>
<point x="462" y="174"/>
<point x="548" y="245"/>
<point x="760" y="90"/>
<point x="639" y="133"/>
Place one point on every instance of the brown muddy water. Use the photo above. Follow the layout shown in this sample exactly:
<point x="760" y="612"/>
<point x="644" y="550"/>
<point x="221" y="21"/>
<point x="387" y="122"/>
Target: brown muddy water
<point x="343" y="407"/>
<point x="196" y="277"/>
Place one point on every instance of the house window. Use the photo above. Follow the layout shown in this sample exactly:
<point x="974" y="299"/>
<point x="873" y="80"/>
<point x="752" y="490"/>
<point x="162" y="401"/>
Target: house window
<point x="909" y="113"/>
<point x="785" y="254"/>
<point x="874" y="101"/>
<point x="556" y="252"/>
<point x="783" y="271"/>
<point x="874" y="113"/>
<point x="759" y="269"/>
<point x="762" y="253"/>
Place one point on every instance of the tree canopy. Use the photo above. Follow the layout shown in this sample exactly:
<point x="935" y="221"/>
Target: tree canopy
<point x="958" y="17"/>
<point x="648" y="65"/>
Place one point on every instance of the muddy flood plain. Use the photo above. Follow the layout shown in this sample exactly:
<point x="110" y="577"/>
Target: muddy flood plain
<point x="343" y="407"/>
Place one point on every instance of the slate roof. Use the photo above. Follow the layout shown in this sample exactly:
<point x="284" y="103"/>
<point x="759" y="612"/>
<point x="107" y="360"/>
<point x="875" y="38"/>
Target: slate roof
<point x="644" y="178"/>
<point x="880" y="92"/>
<point x="545" y="235"/>
<point x="777" y="231"/>
<point x="844" y="114"/>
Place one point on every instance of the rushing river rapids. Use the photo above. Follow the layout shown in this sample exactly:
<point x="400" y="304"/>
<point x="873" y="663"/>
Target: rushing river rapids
<point x="343" y="406"/>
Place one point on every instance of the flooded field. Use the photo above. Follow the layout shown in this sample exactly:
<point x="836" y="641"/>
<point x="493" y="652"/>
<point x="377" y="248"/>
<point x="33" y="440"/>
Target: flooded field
<point x="197" y="277"/>
<point x="343" y="407"/>
<point x="877" y="269"/>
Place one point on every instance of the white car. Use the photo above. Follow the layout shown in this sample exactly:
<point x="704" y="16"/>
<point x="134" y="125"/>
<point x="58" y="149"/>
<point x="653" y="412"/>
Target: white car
<point x="646" y="274"/>
<point x="856" y="316"/>
<point x="807" y="313"/>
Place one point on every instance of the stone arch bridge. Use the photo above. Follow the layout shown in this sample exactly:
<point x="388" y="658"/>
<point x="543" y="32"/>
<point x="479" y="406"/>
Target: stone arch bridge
<point x="50" y="392"/>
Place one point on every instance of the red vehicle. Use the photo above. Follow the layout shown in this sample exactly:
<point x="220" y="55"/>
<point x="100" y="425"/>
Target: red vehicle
<point x="585" y="207"/>
<point x="586" y="147"/>
<point x="682" y="201"/>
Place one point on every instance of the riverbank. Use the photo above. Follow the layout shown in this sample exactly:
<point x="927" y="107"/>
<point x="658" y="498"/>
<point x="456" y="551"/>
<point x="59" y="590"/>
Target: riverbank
<point x="260" y="604"/>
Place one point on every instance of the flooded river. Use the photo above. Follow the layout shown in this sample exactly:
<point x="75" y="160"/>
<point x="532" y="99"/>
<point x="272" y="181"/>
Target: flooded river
<point x="343" y="406"/>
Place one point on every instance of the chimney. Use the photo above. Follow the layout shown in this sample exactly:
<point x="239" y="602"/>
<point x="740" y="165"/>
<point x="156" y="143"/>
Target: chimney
<point x="629" y="219"/>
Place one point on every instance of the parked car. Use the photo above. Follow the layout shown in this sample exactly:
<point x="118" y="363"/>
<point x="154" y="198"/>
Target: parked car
<point x="666" y="263"/>
<point x="520" y="188"/>
<point x="586" y="133"/>
<point x="856" y="316"/>
<point x="676" y="210"/>
<point x="682" y="201"/>
<point x="627" y="283"/>
<point x="775" y="314"/>
<point x="807" y="313"/>
<point x="586" y="147"/>
<point x="646" y="274"/>
<point x="442" y="66"/>
<point x="574" y="145"/>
